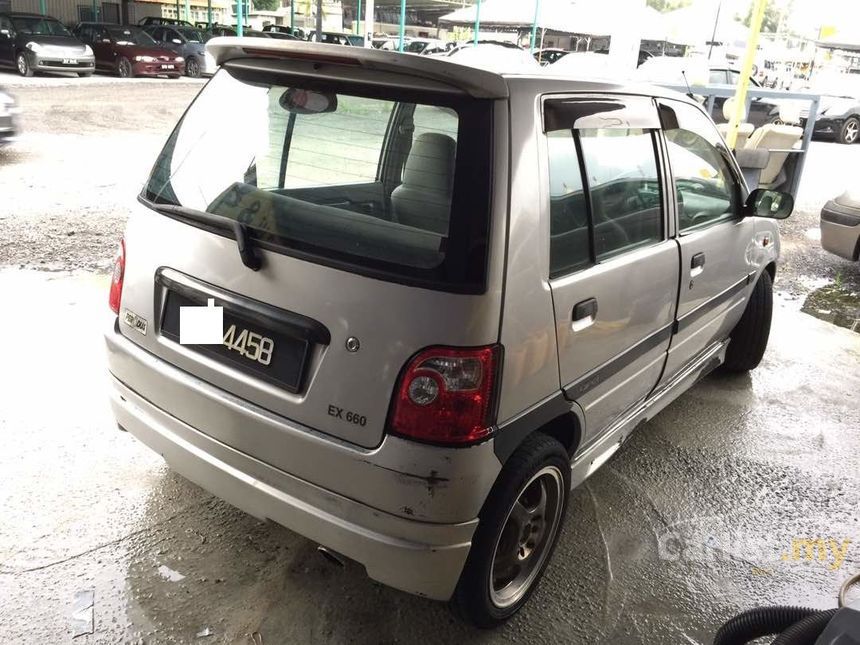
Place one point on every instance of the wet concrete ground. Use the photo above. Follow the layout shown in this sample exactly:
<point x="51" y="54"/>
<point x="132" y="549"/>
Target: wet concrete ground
<point x="686" y="525"/>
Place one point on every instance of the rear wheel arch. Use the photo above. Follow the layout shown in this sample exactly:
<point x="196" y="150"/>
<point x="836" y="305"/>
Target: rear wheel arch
<point x="556" y="417"/>
<point x="771" y="269"/>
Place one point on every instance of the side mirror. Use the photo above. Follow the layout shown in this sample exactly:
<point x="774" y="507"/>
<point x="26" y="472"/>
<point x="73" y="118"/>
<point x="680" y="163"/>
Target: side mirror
<point x="5" y="33"/>
<point x="769" y="203"/>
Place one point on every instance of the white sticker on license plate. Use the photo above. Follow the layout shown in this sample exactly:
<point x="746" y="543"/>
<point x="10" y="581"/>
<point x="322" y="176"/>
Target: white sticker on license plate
<point x="70" y="61"/>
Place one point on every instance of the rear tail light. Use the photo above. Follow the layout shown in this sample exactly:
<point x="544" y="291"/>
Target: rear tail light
<point x="446" y="395"/>
<point x="117" y="278"/>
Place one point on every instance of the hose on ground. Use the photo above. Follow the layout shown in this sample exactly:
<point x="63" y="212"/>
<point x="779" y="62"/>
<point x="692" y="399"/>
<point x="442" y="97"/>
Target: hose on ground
<point x="762" y="621"/>
<point x="807" y="631"/>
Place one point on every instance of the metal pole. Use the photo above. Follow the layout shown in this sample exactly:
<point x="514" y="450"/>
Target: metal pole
<point x="714" y="34"/>
<point x="534" y="27"/>
<point x="402" y="24"/>
<point x="96" y="10"/>
<point x="358" y="19"/>
<point x="239" y="19"/>
<point x="292" y="16"/>
<point x="209" y="12"/>
<point x="746" y="71"/>
<point x="42" y="8"/>
<point x="477" y="20"/>
<point x="319" y="21"/>
<point x="188" y="10"/>
<point x="368" y="23"/>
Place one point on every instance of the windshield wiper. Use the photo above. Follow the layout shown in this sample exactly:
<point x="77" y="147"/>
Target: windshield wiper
<point x="247" y="251"/>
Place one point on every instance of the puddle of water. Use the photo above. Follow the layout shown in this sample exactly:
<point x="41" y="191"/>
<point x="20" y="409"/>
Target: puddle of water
<point x="814" y="234"/>
<point x="835" y="304"/>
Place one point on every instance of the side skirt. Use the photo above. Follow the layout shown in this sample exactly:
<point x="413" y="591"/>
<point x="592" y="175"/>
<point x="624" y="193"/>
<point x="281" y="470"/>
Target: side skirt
<point x="599" y="452"/>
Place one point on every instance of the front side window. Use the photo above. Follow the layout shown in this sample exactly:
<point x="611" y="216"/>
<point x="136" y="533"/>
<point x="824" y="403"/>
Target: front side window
<point x="378" y="180"/>
<point x="706" y="189"/>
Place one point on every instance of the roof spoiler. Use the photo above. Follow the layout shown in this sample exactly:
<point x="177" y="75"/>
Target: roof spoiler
<point x="477" y="83"/>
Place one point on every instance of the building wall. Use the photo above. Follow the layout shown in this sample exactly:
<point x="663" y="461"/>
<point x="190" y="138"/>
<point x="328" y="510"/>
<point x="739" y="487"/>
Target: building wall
<point x="70" y="12"/>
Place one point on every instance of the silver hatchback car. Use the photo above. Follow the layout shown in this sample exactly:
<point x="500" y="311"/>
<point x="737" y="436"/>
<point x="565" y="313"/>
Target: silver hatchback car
<point x="448" y="297"/>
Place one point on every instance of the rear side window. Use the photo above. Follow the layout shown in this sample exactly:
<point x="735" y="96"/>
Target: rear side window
<point x="605" y="194"/>
<point x="386" y="182"/>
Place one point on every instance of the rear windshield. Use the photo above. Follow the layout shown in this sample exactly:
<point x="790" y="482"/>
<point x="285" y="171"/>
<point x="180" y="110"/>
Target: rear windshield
<point x="375" y="181"/>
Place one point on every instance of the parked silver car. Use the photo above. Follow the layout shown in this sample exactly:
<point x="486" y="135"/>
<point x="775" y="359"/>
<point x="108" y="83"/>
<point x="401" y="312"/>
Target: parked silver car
<point x="8" y="118"/>
<point x="840" y="226"/>
<point x="448" y="297"/>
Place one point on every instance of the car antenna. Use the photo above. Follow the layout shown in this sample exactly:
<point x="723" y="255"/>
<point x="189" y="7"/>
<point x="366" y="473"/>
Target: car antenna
<point x="687" y="83"/>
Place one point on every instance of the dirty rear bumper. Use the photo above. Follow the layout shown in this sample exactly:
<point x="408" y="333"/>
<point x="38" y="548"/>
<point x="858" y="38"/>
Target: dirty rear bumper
<point x="417" y="557"/>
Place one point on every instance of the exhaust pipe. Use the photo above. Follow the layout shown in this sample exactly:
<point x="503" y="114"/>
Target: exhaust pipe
<point x="332" y="556"/>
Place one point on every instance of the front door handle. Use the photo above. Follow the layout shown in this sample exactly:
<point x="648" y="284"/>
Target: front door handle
<point x="697" y="264"/>
<point x="584" y="314"/>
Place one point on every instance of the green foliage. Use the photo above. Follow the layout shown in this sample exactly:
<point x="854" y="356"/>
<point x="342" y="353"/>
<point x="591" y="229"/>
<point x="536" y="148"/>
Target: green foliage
<point x="773" y="16"/>
<point x="267" y="5"/>
<point x="668" y="5"/>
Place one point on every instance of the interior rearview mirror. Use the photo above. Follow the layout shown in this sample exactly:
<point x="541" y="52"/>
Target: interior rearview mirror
<point x="298" y="101"/>
<point x="5" y="33"/>
<point x="769" y="203"/>
<point x="176" y="41"/>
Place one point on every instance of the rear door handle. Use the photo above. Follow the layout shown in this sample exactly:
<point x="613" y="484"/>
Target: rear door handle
<point x="584" y="314"/>
<point x="697" y="264"/>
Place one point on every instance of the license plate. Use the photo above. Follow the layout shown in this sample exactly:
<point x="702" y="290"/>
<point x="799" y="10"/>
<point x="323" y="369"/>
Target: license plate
<point x="70" y="61"/>
<point x="167" y="67"/>
<point x="248" y="345"/>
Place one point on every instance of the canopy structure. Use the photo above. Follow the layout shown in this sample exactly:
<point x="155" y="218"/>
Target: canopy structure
<point x="845" y="39"/>
<point x="564" y="16"/>
<point x="558" y="15"/>
<point x="694" y="25"/>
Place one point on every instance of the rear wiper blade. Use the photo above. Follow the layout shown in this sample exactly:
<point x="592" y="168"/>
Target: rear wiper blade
<point x="249" y="255"/>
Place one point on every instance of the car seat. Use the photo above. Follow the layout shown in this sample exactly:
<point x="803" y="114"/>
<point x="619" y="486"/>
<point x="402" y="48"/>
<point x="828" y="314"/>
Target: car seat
<point x="423" y="199"/>
<point x="744" y="129"/>
<point x="774" y="138"/>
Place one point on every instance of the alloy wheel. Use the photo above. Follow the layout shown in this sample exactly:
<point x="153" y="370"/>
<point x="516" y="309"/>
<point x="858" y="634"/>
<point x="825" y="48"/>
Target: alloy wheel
<point x="23" y="65"/>
<point x="852" y="129"/>
<point x="526" y="538"/>
<point x="193" y="68"/>
<point x="124" y="68"/>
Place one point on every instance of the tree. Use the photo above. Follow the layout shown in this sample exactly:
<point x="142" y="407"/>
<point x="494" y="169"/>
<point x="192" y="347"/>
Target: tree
<point x="773" y="16"/>
<point x="267" y="5"/>
<point x="668" y="5"/>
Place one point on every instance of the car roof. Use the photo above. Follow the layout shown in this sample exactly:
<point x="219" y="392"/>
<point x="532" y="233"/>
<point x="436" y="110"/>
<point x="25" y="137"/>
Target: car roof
<point x="441" y="71"/>
<point x="24" y="14"/>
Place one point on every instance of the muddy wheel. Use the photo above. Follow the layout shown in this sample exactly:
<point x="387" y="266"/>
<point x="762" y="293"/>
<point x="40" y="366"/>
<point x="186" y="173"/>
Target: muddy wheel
<point x="850" y="131"/>
<point x="124" y="68"/>
<point x="517" y="533"/>
<point x="749" y="338"/>
<point x="23" y="65"/>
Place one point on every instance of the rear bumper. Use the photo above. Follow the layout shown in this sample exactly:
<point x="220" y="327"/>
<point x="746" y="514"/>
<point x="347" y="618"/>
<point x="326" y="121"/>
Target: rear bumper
<point x="840" y="231"/>
<point x="411" y="530"/>
<point x="417" y="557"/>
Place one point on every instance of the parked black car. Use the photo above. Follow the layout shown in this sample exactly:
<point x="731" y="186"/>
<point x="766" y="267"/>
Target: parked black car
<point x="839" y="111"/>
<point x="761" y="110"/>
<point x="34" y="43"/>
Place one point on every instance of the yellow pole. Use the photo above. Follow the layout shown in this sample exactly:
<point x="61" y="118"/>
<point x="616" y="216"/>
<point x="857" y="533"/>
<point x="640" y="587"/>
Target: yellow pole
<point x="746" y="72"/>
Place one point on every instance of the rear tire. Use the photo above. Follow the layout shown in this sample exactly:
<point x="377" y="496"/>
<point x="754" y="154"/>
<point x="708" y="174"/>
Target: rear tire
<point x="750" y="335"/>
<point x="516" y="534"/>
<point x="23" y="65"/>
<point x="850" y="131"/>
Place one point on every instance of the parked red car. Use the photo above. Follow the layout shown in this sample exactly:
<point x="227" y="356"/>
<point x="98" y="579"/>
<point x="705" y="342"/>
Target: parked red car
<point x="128" y="51"/>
